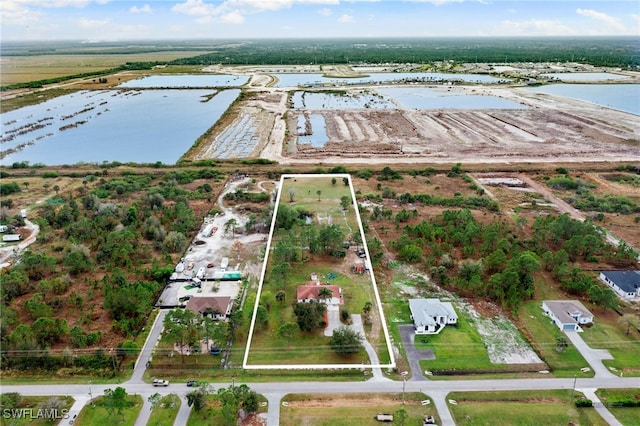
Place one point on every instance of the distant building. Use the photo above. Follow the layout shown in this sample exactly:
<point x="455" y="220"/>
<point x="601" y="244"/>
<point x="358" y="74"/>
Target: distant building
<point x="567" y="314"/>
<point x="431" y="315"/>
<point x="218" y="308"/>
<point x="625" y="283"/>
<point x="4" y="228"/>
<point x="10" y="238"/>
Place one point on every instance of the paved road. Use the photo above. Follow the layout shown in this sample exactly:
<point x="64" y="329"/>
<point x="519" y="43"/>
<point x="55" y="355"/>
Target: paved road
<point x="413" y="355"/>
<point x="147" y="350"/>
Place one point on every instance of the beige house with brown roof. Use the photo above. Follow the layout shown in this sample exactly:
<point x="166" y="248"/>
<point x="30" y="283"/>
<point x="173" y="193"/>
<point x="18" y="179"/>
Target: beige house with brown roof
<point x="217" y="307"/>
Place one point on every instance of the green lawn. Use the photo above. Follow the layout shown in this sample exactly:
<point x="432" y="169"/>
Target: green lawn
<point x="352" y="410"/>
<point x="211" y="414"/>
<point x="97" y="415"/>
<point x="164" y="414"/>
<point x="628" y="416"/>
<point x="542" y="333"/>
<point x="624" y="348"/>
<point x="456" y="348"/>
<point x="520" y="408"/>
<point x="33" y="403"/>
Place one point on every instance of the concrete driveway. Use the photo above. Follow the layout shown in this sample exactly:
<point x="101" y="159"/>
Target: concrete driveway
<point x="593" y="357"/>
<point x="413" y="355"/>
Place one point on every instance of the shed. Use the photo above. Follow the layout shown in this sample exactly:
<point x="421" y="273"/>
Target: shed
<point x="11" y="238"/>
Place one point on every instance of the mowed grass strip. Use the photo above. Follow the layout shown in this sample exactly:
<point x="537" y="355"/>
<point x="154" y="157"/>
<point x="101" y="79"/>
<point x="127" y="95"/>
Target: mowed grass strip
<point x="31" y="417"/>
<point x="543" y="336"/>
<point x="97" y="415"/>
<point x="625" y="415"/>
<point x="520" y="408"/>
<point x="353" y="409"/>
<point x="164" y="414"/>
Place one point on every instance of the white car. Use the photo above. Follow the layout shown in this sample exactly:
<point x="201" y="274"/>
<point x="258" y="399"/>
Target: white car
<point x="159" y="382"/>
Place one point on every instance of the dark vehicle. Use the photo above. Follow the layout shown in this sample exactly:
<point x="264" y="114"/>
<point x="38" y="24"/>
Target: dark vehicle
<point x="215" y="351"/>
<point x="199" y="242"/>
<point x="211" y="265"/>
<point x="185" y="298"/>
<point x="192" y="383"/>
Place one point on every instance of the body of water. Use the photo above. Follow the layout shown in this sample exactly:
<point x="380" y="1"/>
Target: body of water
<point x="318" y="135"/>
<point x="585" y="76"/>
<point x="294" y="80"/>
<point x="436" y="98"/>
<point x="329" y="100"/>
<point x="115" y="125"/>
<point x="178" y="81"/>
<point x="623" y="97"/>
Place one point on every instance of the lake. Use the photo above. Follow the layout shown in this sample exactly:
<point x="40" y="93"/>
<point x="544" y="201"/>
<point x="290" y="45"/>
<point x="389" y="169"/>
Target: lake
<point x="312" y="79"/>
<point x="623" y="97"/>
<point x="112" y="125"/>
<point x="334" y="100"/>
<point x="585" y="76"/>
<point x="194" y="81"/>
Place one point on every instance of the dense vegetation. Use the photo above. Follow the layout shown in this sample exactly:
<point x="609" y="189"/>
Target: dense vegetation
<point x="601" y="51"/>
<point x="106" y="252"/>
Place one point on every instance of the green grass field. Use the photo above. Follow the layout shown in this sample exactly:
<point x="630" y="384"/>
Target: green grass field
<point x="31" y="417"/>
<point x="624" y="348"/>
<point x="352" y="410"/>
<point x="164" y="414"/>
<point x="628" y="416"/>
<point x="520" y="408"/>
<point x="97" y="415"/>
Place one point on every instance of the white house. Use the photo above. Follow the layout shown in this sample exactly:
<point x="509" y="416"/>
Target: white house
<point x="310" y="292"/>
<point x="625" y="283"/>
<point x="431" y="315"/>
<point x="567" y="314"/>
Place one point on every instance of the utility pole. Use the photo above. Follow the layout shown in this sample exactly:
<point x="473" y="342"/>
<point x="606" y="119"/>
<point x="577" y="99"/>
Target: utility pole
<point x="573" y="391"/>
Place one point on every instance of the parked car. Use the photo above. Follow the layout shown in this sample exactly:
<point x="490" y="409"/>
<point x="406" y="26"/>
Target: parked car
<point x="160" y="382"/>
<point x="211" y="265"/>
<point x="199" y="242"/>
<point x="192" y="383"/>
<point x="185" y="298"/>
<point x="215" y="351"/>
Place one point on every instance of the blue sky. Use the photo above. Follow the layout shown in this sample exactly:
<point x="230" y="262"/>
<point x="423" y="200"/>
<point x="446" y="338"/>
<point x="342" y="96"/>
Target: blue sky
<point x="102" y="20"/>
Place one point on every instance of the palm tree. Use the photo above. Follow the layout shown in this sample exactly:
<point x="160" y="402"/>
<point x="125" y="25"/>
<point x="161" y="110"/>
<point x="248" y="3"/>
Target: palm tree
<point x="319" y="193"/>
<point x="325" y="293"/>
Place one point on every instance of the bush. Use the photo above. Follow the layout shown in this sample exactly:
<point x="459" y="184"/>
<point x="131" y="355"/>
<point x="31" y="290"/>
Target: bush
<point x="584" y="403"/>
<point x="50" y="174"/>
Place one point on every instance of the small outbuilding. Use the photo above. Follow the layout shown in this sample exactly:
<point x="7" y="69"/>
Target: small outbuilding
<point x="568" y="315"/>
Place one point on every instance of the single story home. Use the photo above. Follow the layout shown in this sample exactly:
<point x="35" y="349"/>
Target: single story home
<point x="310" y="292"/>
<point x="217" y="307"/>
<point x="431" y="315"/>
<point x="567" y="314"/>
<point x="625" y="283"/>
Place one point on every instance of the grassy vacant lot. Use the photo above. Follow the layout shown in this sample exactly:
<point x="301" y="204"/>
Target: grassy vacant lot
<point x="211" y="414"/>
<point x="164" y="414"/>
<point x="35" y="402"/>
<point x="520" y="408"/>
<point x="542" y="334"/>
<point x="97" y="414"/>
<point x="624" y="348"/>
<point x="625" y="415"/>
<point x="21" y="69"/>
<point x="352" y="410"/>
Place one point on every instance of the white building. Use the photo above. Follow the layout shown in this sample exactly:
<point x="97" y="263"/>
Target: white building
<point x="567" y="314"/>
<point x="625" y="283"/>
<point x="431" y="315"/>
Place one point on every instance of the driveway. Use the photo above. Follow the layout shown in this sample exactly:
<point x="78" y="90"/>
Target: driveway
<point x="593" y="357"/>
<point x="413" y="355"/>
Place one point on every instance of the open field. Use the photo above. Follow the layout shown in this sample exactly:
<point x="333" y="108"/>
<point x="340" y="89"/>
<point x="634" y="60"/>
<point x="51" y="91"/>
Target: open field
<point x="97" y="415"/>
<point x="353" y="409"/>
<point x="611" y="399"/>
<point x="520" y="408"/>
<point x="21" y="69"/>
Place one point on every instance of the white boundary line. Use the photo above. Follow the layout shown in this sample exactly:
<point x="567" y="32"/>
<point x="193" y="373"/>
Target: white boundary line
<point x="247" y="366"/>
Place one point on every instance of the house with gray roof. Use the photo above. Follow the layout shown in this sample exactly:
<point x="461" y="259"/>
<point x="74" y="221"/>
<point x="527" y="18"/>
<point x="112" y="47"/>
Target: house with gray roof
<point x="625" y="283"/>
<point x="567" y="314"/>
<point x="431" y="315"/>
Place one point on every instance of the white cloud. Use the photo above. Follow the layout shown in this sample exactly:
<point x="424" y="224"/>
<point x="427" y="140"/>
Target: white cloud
<point x="195" y="8"/>
<point x="144" y="9"/>
<point x="612" y="22"/>
<point x="258" y="5"/>
<point x="234" y="17"/>
<point x="532" y="27"/>
<point x="325" y="11"/>
<point x="92" y="24"/>
<point x="346" y="19"/>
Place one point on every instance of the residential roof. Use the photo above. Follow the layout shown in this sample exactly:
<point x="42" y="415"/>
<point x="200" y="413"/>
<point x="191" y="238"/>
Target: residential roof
<point x="424" y="310"/>
<point x="628" y="281"/>
<point x="200" y="304"/>
<point x="563" y="309"/>
<point x="310" y="291"/>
